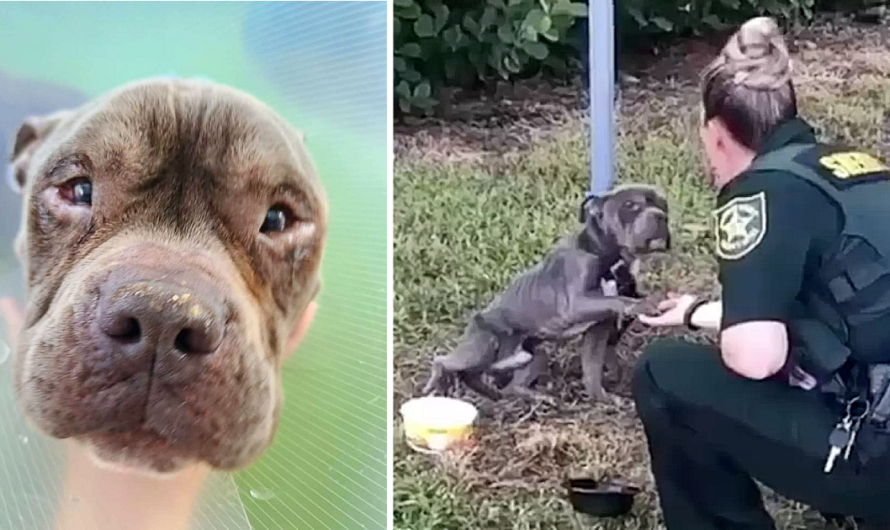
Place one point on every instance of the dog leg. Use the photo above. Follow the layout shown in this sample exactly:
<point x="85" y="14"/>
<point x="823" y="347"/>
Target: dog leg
<point x="470" y="364"/>
<point x="514" y="362"/>
<point x="435" y="381"/>
<point x="593" y="356"/>
<point x="524" y="377"/>
<point x="474" y="381"/>
<point x="598" y="308"/>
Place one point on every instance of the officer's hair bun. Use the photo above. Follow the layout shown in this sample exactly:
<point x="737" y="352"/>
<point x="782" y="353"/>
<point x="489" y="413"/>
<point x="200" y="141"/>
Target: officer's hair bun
<point x="757" y="57"/>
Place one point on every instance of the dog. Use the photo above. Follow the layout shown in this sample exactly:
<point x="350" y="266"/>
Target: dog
<point x="563" y="296"/>
<point x="172" y="236"/>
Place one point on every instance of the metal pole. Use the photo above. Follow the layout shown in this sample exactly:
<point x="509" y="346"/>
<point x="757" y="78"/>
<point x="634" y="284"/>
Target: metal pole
<point x="601" y="70"/>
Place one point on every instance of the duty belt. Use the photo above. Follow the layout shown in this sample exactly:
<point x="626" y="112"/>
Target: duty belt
<point x="865" y="395"/>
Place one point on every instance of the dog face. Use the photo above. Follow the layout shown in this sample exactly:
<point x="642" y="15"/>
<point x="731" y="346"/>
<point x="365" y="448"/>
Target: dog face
<point x="172" y="237"/>
<point x="633" y="217"/>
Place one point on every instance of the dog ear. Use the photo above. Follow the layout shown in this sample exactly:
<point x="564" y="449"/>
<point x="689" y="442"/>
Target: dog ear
<point x="33" y="131"/>
<point x="592" y="204"/>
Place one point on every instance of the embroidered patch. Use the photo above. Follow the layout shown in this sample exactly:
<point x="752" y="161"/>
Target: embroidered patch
<point x="740" y="225"/>
<point x="845" y="165"/>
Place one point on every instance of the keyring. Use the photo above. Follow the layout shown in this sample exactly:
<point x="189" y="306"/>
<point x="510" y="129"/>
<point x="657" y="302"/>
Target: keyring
<point x="850" y="408"/>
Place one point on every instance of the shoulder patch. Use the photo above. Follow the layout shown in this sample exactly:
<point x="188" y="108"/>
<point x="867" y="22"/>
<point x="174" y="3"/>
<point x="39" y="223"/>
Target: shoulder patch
<point x="739" y="225"/>
<point x="851" y="164"/>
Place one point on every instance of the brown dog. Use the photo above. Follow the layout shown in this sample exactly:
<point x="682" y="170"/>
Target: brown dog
<point x="172" y="237"/>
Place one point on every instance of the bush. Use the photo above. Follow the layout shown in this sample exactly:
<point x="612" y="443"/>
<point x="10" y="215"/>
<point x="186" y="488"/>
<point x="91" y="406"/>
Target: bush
<point x="465" y="43"/>
<point x="456" y="43"/>
<point x="681" y="17"/>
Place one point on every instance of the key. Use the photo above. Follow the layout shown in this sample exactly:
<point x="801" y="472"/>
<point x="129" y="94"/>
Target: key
<point x="855" y="417"/>
<point x="852" y="441"/>
<point x="838" y="440"/>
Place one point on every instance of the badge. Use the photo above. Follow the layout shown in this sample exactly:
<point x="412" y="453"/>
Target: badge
<point x="740" y="225"/>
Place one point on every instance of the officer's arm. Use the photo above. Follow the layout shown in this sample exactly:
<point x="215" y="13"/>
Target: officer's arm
<point x="756" y="350"/>
<point x="761" y="271"/>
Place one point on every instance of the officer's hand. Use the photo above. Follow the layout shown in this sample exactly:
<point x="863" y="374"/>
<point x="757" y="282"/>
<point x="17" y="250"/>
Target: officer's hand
<point x="671" y="311"/>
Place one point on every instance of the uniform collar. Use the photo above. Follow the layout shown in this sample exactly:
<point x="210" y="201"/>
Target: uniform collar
<point x="793" y="131"/>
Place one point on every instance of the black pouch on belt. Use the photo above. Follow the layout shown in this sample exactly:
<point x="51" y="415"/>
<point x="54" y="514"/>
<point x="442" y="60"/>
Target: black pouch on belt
<point x="816" y="348"/>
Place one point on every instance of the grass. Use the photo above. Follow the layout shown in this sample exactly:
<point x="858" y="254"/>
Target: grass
<point x="464" y="226"/>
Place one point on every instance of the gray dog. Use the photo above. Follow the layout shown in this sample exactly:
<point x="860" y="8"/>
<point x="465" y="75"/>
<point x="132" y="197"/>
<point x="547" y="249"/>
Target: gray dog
<point x="563" y="296"/>
<point x="172" y="237"/>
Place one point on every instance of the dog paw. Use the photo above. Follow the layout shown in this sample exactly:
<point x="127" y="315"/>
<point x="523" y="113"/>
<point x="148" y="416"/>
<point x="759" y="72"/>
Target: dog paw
<point x="645" y="306"/>
<point x="596" y="394"/>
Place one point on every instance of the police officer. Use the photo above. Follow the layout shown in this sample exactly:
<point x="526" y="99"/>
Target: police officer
<point x="803" y="242"/>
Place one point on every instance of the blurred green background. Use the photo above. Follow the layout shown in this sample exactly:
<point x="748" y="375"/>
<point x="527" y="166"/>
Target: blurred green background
<point x="322" y="65"/>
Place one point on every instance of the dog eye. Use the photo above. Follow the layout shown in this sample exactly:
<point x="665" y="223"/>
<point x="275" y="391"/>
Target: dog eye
<point x="278" y="219"/>
<point x="78" y="192"/>
<point x="631" y="205"/>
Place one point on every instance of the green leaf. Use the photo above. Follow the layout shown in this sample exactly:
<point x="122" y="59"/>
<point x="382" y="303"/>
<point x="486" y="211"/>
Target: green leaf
<point x="472" y="26"/>
<point x="637" y="15"/>
<point x="732" y="4"/>
<point x="441" y="11"/>
<point x="426" y="104"/>
<point x="409" y="13"/>
<point x="453" y="37"/>
<point x="551" y="35"/>
<point x="475" y="56"/>
<point x="497" y="3"/>
<point x="575" y="9"/>
<point x="530" y="33"/>
<point x="403" y="3"/>
<point x="403" y="89"/>
<point x="396" y="26"/>
<point x="411" y="49"/>
<point x="400" y="64"/>
<point x="536" y="49"/>
<point x="489" y="18"/>
<point x="505" y="34"/>
<point x="534" y="18"/>
<point x="424" y="26"/>
<point x="511" y="62"/>
<point x="422" y="90"/>
<point x="713" y="21"/>
<point x="558" y="65"/>
<point x="411" y="75"/>
<point x="405" y="105"/>
<point x="663" y="23"/>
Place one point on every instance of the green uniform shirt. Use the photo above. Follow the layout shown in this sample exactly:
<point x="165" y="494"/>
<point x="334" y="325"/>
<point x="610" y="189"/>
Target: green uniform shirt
<point x="770" y="228"/>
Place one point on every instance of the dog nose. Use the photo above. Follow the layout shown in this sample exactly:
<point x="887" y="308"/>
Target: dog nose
<point x="161" y="315"/>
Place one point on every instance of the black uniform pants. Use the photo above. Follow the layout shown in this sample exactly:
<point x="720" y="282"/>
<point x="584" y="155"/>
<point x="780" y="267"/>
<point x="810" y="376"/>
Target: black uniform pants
<point x="710" y="432"/>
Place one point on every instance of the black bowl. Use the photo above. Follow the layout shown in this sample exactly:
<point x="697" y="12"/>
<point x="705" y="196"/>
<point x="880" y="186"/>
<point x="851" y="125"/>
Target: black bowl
<point x="601" y="499"/>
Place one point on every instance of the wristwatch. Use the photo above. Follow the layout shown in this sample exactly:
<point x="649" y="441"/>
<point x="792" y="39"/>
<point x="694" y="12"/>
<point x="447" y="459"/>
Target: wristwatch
<point x="687" y="316"/>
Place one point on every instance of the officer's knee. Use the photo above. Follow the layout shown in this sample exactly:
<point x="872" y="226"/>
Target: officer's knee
<point x="664" y="364"/>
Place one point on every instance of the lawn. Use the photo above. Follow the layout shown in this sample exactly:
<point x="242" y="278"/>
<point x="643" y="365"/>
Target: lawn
<point x="475" y="203"/>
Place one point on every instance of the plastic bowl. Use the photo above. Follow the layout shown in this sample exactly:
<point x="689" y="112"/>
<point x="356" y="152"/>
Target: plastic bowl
<point x="601" y="499"/>
<point x="434" y="424"/>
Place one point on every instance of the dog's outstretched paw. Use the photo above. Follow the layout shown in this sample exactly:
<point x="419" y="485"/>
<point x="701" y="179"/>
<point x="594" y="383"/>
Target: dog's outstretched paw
<point x="644" y="306"/>
<point x="596" y="393"/>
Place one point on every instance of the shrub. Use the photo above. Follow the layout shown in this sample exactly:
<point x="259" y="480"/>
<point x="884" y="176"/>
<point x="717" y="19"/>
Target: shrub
<point x="699" y="16"/>
<point x="466" y="43"/>
<point x="463" y="43"/>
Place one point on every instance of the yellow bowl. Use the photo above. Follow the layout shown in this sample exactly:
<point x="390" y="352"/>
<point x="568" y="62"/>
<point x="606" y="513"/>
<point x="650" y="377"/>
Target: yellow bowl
<point x="433" y="424"/>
